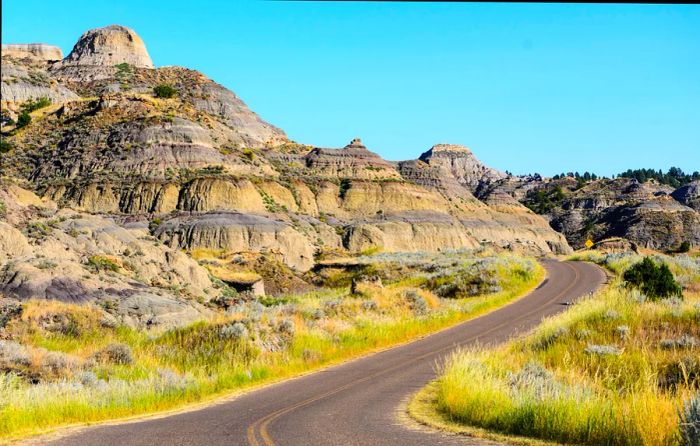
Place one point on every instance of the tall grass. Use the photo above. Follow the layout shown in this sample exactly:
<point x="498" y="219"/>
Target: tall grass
<point x="210" y="358"/>
<point x="614" y="370"/>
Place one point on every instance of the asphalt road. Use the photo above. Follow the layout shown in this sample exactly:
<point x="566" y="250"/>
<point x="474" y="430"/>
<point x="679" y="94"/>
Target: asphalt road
<point x="354" y="403"/>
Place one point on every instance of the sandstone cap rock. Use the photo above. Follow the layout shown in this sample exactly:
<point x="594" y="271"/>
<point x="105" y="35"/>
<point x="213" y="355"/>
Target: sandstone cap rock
<point x="33" y="51"/>
<point x="109" y="46"/>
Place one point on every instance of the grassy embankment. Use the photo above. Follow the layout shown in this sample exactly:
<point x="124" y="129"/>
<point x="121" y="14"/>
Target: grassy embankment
<point x="66" y="364"/>
<point x="615" y="369"/>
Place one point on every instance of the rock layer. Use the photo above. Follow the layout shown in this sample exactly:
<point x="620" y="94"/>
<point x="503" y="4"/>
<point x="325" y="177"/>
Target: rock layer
<point x="32" y="51"/>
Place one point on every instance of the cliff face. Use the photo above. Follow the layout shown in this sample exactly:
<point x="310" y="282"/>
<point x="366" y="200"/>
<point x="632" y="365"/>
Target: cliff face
<point x="689" y="195"/>
<point x="109" y="46"/>
<point x="33" y="51"/>
<point x="117" y="169"/>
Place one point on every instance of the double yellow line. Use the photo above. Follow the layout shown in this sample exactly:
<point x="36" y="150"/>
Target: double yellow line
<point x="263" y="423"/>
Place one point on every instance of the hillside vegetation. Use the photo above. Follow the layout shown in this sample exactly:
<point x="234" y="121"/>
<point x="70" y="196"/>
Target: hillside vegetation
<point x="618" y="368"/>
<point x="63" y="363"/>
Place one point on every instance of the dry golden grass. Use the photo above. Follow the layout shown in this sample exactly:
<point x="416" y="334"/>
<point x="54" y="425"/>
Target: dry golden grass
<point x="600" y="373"/>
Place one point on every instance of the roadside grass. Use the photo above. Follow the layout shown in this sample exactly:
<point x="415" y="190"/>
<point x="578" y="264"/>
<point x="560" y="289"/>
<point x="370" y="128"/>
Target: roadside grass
<point x="615" y="369"/>
<point x="67" y="364"/>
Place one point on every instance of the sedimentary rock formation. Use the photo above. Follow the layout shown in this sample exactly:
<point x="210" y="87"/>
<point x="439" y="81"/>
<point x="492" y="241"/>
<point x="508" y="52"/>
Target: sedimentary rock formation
<point x="32" y="51"/>
<point x="25" y="80"/>
<point x="689" y="195"/>
<point x="74" y="257"/>
<point x="201" y="171"/>
<point x="352" y="161"/>
<point x="643" y="213"/>
<point x="109" y="46"/>
<point x="461" y="163"/>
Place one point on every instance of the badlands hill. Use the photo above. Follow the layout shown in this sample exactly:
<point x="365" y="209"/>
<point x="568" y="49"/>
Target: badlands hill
<point x="170" y="194"/>
<point x="647" y="214"/>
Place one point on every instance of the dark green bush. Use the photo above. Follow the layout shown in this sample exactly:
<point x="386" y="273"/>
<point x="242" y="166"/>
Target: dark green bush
<point x="656" y="281"/>
<point x="164" y="91"/>
<point x="685" y="247"/>
<point x="23" y="120"/>
<point x="5" y="146"/>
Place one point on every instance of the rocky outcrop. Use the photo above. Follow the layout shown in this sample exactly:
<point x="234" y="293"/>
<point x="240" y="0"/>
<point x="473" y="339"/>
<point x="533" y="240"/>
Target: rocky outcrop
<point x="238" y="232"/>
<point x="32" y="51"/>
<point x="352" y="161"/>
<point x="109" y="46"/>
<point x="24" y="81"/>
<point x="208" y="194"/>
<point x="460" y="163"/>
<point x="689" y="195"/>
<point x="410" y="231"/>
<point x="74" y="257"/>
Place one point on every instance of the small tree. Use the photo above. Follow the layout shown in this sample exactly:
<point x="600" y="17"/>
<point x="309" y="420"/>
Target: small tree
<point x="164" y="91"/>
<point x="685" y="247"/>
<point x="656" y="281"/>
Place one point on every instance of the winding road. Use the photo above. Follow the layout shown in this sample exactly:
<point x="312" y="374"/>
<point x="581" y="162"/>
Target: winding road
<point x="354" y="403"/>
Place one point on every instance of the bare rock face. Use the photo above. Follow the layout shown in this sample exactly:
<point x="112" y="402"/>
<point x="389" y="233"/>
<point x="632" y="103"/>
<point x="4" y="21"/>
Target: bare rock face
<point x="352" y="161"/>
<point x="461" y="163"/>
<point x="75" y="257"/>
<point x="32" y="51"/>
<point x="410" y="231"/>
<point x="109" y="46"/>
<point x="236" y="232"/>
<point x="689" y="195"/>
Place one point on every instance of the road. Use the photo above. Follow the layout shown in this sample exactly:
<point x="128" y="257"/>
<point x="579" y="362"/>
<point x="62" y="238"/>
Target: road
<point x="354" y="403"/>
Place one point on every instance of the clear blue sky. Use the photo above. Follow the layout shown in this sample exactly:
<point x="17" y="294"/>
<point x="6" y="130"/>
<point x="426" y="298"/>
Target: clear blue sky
<point x="530" y="88"/>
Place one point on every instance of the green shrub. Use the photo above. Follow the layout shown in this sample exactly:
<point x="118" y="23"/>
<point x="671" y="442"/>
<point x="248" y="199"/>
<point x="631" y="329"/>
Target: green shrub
<point x="5" y="146"/>
<point x="685" y="247"/>
<point x="164" y="91"/>
<point x="345" y="185"/>
<point x="35" y="104"/>
<point x="23" y="120"/>
<point x="542" y="201"/>
<point x="656" y="281"/>
<point x="249" y="154"/>
<point x="100" y="263"/>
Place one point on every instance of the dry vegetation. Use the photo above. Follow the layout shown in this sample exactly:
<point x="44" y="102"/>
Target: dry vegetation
<point x="617" y="368"/>
<point x="62" y="364"/>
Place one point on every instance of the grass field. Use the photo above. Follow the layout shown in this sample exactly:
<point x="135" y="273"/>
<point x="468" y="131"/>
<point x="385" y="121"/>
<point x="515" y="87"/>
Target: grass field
<point x="64" y="364"/>
<point x="615" y="369"/>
